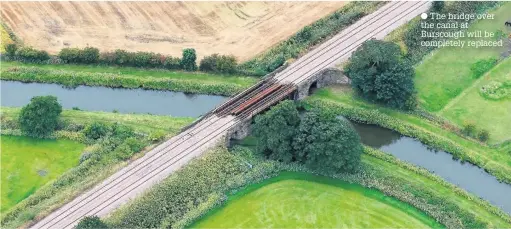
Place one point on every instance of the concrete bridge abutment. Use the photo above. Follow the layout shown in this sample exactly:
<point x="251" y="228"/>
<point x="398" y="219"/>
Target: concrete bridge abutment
<point x="326" y="77"/>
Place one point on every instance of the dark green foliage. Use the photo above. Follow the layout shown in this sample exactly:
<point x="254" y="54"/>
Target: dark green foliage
<point x="480" y="67"/>
<point x="29" y="54"/>
<point x="219" y="64"/>
<point x="469" y="129"/>
<point x="172" y="63"/>
<point x="483" y="135"/>
<point x="275" y="131"/>
<point x="437" y="6"/>
<point x="188" y="61"/>
<point x="379" y="74"/>
<point x="96" y="130"/>
<point x="89" y="55"/>
<point x="91" y="222"/>
<point x="309" y="36"/>
<point x="70" y="55"/>
<point x="40" y="117"/>
<point x="128" y="147"/>
<point x="326" y="143"/>
<point x="10" y="49"/>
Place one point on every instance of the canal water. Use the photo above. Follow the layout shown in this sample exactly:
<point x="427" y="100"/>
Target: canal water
<point x="464" y="175"/>
<point x="17" y="94"/>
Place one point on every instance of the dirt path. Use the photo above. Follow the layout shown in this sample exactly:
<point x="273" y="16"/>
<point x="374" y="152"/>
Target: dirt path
<point x="243" y="29"/>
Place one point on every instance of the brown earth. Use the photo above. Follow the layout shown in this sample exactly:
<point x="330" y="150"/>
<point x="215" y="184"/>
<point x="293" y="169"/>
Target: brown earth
<point x="243" y="29"/>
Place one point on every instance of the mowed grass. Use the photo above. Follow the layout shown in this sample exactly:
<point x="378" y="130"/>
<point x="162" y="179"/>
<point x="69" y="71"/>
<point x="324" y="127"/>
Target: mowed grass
<point x="445" y="73"/>
<point x="140" y="72"/>
<point x="300" y="200"/>
<point x="29" y="163"/>
<point x="492" y="115"/>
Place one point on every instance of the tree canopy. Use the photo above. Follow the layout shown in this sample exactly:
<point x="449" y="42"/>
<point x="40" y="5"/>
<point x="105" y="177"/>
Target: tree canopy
<point x="40" y="117"/>
<point x="380" y="74"/>
<point x="91" y="222"/>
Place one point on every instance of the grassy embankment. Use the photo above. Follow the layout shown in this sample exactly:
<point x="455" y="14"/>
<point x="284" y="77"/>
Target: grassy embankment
<point x="492" y="159"/>
<point x="102" y="157"/>
<point x="29" y="163"/>
<point x="126" y="77"/>
<point x="448" y="79"/>
<point x="204" y="185"/>
<point x="292" y="200"/>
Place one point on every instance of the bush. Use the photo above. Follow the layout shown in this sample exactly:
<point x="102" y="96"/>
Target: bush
<point x="483" y="135"/>
<point x="157" y="136"/>
<point x="96" y="130"/>
<point x="89" y="55"/>
<point x="10" y="50"/>
<point x="172" y="63"/>
<point x="188" y="60"/>
<point x="480" y="67"/>
<point x="219" y="64"/>
<point x="128" y="147"/>
<point x="379" y="73"/>
<point x="29" y="54"/>
<point x="70" y="55"/>
<point x="469" y="128"/>
<point x="40" y="117"/>
<point x="91" y="222"/>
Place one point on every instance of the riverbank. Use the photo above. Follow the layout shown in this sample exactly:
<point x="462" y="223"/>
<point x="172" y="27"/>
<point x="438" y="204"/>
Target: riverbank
<point x="126" y="77"/>
<point x="491" y="158"/>
<point x="221" y="173"/>
<point x="101" y="158"/>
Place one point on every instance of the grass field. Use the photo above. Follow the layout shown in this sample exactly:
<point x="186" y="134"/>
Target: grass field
<point x="446" y="73"/>
<point x="493" y="159"/>
<point x="300" y="200"/>
<point x="29" y="163"/>
<point x="243" y="29"/>
<point x="492" y="115"/>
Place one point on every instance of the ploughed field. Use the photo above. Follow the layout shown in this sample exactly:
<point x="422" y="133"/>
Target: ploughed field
<point x="243" y="29"/>
<point x="29" y="163"/>
<point x="293" y="200"/>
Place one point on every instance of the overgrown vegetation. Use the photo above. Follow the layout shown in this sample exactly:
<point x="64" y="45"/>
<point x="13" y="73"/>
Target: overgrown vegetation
<point x="75" y="78"/>
<point x="318" y="140"/>
<point x="308" y="37"/>
<point x="40" y="117"/>
<point x="91" y="222"/>
<point x="111" y="139"/>
<point x="379" y="73"/>
<point x="219" y="64"/>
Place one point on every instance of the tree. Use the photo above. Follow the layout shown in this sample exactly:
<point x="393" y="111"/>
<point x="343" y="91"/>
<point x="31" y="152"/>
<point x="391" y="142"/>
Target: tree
<point x="40" y="117"/>
<point x="327" y="143"/>
<point x="91" y="222"/>
<point x="275" y="131"/>
<point x="10" y="50"/>
<point x="437" y="6"/>
<point x="188" y="60"/>
<point x="380" y="74"/>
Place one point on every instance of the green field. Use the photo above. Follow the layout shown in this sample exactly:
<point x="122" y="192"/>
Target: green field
<point x="446" y="72"/>
<point x="492" y="115"/>
<point x="29" y="163"/>
<point x="299" y="200"/>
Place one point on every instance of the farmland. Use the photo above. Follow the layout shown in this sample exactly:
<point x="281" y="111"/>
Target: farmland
<point x="243" y="29"/>
<point x="293" y="200"/>
<point x="29" y="163"/>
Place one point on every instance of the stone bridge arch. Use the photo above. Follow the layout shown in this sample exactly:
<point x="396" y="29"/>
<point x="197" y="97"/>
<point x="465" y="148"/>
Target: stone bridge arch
<point x="326" y="77"/>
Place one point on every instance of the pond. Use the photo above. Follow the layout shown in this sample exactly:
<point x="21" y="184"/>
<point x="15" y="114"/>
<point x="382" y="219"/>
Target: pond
<point x="464" y="175"/>
<point x="17" y="94"/>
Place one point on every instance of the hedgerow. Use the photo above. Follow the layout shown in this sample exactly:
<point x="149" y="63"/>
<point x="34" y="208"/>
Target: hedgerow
<point x="308" y="37"/>
<point x="73" y="79"/>
<point x="377" y="118"/>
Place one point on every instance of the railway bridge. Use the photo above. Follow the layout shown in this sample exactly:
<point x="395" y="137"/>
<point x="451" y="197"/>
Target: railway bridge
<point x="231" y="119"/>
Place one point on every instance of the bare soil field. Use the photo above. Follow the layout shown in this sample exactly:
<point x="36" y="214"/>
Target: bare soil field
<point x="243" y="29"/>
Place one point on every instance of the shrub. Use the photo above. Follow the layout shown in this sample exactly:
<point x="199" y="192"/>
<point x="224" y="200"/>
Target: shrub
<point x="91" y="222"/>
<point x="188" y="60"/>
<point x="29" y="54"/>
<point x="483" y="135"/>
<point x="96" y="130"/>
<point x="156" y="136"/>
<point x="480" y="67"/>
<point x="40" y="117"/>
<point x="10" y="50"/>
<point x="70" y="55"/>
<point x="218" y="63"/>
<point x="172" y="63"/>
<point x="89" y="55"/>
<point x="379" y="74"/>
<point x="128" y="147"/>
<point x="469" y="128"/>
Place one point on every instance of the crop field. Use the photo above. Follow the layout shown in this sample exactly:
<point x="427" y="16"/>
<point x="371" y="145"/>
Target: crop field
<point x="299" y="200"/>
<point x="29" y="163"/>
<point x="446" y="73"/>
<point x="487" y="113"/>
<point x="243" y="29"/>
